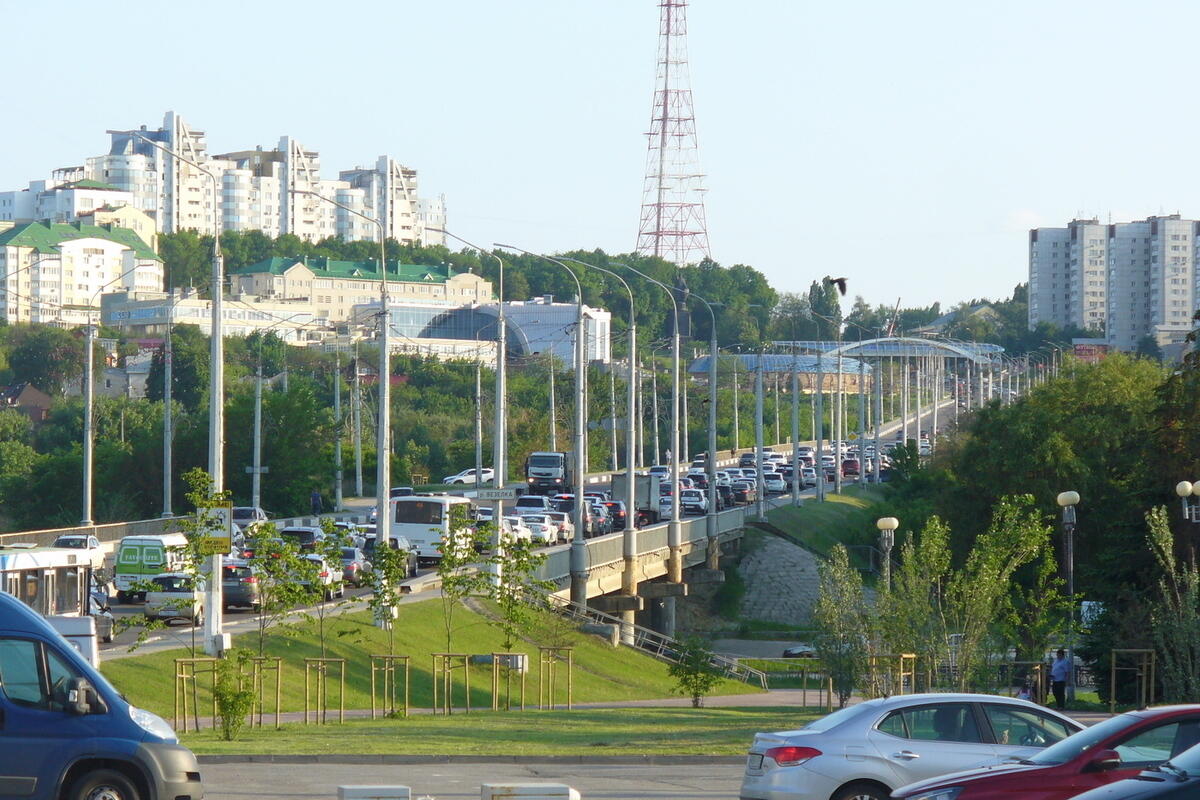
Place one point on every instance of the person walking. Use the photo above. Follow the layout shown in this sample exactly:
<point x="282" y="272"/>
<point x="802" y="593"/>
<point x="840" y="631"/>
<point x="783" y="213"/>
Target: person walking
<point x="315" y="499"/>
<point x="1060" y="673"/>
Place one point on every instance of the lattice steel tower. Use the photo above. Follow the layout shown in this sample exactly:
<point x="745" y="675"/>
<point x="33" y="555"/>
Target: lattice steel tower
<point x="672" y="224"/>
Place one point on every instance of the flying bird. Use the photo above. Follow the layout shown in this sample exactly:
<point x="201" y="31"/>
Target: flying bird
<point x="840" y="283"/>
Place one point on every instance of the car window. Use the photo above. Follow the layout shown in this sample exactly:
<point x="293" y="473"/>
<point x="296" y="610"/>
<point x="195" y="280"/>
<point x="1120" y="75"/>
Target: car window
<point x="894" y="724"/>
<point x="947" y="722"/>
<point x="1021" y="726"/>
<point x="1155" y="745"/>
<point x="19" y="674"/>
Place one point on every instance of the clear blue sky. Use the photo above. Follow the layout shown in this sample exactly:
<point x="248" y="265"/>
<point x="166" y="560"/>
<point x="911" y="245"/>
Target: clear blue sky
<point x="908" y="146"/>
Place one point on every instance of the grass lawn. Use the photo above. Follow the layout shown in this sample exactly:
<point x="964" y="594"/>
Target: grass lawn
<point x="601" y="673"/>
<point x="623" y="731"/>
<point x="841" y="518"/>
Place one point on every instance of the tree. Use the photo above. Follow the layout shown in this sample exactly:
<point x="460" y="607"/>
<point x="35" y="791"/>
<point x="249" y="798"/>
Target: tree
<point x="389" y="567"/>
<point x="49" y="358"/>
<point x="15" y="426"/>
<point x="840" y="617"/>
<point x="912" y="616"/>
<point x="1147" y="347"/>
<point x="276" y="566"/>
<point x="189" y="368"/>
<point x="457" y="573"/>
<point x="517" y="588"/>
<point x="694" y="672"/>
<point x="1175" y="614"/>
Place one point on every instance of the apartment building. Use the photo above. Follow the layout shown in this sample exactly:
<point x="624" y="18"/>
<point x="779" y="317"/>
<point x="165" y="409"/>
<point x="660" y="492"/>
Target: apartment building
<point x="55" y="273"/>
<point x="333" y="288"/>
<point x="61" y="202"/>
<point x="1129" y="279"/>
<point x="147" y="314"/>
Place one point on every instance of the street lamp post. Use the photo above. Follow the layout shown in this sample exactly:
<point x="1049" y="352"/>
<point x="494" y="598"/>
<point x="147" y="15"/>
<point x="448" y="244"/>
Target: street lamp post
<point x="710" y="464"/>
<point x="887" y="538"/>
<point x="1068" y="501"/>
<point x="1191" y="508"/>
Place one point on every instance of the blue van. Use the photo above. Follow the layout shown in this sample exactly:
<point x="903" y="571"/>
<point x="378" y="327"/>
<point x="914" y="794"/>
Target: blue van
<point x="67" y="734"/>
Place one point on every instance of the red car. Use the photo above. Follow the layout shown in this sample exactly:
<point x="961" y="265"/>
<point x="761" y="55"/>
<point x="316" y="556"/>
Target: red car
<point x="1117" y="748"/>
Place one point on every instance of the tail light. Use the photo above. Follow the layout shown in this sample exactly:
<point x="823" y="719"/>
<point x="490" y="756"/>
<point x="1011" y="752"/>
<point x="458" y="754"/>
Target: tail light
<point x="791" y="756"/>
<point x="251" y="579"/>
<point x="324" y="573"/>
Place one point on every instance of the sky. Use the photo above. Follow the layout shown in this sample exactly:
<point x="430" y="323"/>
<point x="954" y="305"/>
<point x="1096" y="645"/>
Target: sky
<point x="906" y="146"/>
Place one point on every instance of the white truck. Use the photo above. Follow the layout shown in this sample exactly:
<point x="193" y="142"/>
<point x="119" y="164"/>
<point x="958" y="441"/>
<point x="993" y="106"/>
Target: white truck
<point x="549" y="473"/>
<point x="647" y="489"/>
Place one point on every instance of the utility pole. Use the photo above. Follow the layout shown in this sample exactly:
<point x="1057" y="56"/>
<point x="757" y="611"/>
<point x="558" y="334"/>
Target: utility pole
<point x="819" y="416"/>
<point x="257" y="469"/>
<point x="612" y="405"/>
<point x="737" y="401"/>
<point x="758" y="437"/>
<point x="479" y="428"/>
<point x="356" y="413"/>
<point x="862" y="421"/>
<point x="553" y="406"/>
<point x="168" y="433"/>
<point x="341" y="428"/>
<point x="654" y="398"/>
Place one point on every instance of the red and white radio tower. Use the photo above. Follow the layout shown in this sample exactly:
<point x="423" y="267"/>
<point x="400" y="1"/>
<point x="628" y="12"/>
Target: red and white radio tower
<point x="673" y="225"/>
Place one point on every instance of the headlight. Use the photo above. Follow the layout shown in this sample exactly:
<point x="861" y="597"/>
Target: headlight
<point x="948" y="793"/>
<point x="152" y="724"/>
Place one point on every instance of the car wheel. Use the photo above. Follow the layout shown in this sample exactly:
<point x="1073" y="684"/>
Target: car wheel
<point x="103" y="784"/>
<point x="862" y="791"/>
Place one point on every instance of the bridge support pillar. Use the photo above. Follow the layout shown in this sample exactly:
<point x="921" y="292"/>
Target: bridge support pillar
<point x="662" y="615"/>
<point x="629" y="586"/>
<point x="675" y="565"/>
<point x="713" y="555"/>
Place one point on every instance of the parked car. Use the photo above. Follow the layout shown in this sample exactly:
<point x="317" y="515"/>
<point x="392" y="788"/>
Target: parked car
<point x="485" y="475"/>
<point x="239" y="585"/>
<point x="175" y="596"/>
<point x="800" y="651"/>
<point x="1176" y="779"/>
<point x="1109" y="751"/>
<point x="894" y="741"/>
<point x="89" y="547"/>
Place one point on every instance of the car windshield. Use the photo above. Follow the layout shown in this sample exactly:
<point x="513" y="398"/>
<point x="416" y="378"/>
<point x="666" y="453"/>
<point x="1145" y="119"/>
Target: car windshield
<point x="171" y="583"/>
<point x="1073" y="745"/>
<point x="545" y="461"/>
<point x="836" y="718"/>
<point x="1188" y="760"/>
<point x="243" y="513"/>
<point x="70" y="541"/>
<point x="236" y="573"/>
<point x="349" y="553"/>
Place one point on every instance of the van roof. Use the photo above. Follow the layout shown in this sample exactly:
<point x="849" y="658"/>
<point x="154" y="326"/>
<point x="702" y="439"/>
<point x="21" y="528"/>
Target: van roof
<point x="17" y="616"/>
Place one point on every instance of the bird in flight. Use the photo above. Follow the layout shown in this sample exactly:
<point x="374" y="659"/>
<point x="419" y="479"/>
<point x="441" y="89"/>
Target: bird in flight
<point x="840" y="283"/>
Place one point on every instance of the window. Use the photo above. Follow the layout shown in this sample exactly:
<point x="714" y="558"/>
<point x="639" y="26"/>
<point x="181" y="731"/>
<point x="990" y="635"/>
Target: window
<point x="31" y="675"/>
<point x="950" y="722"/>
<point x="1158" y="744"/>
<point x="1018" y="726"/>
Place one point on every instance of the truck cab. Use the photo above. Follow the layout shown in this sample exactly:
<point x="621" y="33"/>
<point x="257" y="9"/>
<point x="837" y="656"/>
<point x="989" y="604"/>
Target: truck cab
<point x="65" y="732"/>
<point x="548" y="473"/>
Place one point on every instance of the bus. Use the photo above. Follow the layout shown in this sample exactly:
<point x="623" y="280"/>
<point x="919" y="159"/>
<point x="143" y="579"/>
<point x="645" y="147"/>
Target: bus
<point x="50" y="580"/>
<point x="424" y="520"/>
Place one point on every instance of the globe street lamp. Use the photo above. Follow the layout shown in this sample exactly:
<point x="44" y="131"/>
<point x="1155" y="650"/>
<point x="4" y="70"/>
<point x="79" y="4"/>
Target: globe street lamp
<point x="887" y="538"/>
<point x="1068" y="501"/>
<point x="1191" y="508"/>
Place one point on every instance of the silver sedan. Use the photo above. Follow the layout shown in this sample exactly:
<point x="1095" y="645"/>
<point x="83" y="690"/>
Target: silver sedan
<point x="865" y="751"/>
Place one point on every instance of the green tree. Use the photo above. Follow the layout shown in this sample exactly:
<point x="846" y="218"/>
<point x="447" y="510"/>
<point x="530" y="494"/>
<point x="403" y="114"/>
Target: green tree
<point x="456" y="568"/>
<point x="1175" y="614"/>
<point x="49" y="358"/>
<point x="15" y="426"/>
<point x="840" y="617"/>
<point x="389" y="567"/>
<point x="1147" y="347"/>
<point x="517" y="593"/>
<point x="912" y="613"/>
<point x="189" y="368"/>
<point x="277" y="568"/>
<point x="694" y="672"/>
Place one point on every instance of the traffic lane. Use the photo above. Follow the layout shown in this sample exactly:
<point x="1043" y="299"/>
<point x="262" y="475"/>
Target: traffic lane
<point x="255" y="781"/>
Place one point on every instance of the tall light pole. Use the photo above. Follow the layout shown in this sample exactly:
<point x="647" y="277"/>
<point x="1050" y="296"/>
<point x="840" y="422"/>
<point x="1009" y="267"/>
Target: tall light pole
<point x="1068" y="501"/>
<point x="1191" y="508"/>
<point x="710" y="463"/>
<point x="759" y="500"/>
<point x="383" y="446"/>
<point x="887" y="537"/>
<point x="579" y="565"/>
<point x="168" y="433"/>
<point x="216" y="391"/>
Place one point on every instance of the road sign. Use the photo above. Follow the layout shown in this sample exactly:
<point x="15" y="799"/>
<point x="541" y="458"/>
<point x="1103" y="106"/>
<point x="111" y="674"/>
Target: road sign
<point x="496" y="494"/>
<point x="218" y="539"/>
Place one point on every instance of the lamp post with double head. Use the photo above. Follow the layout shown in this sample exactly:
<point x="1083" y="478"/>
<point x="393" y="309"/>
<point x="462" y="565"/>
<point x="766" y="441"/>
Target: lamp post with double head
<point x="1191" y="507"/>
<point x="579" y="566"/>
<point x="1067" y="501"/>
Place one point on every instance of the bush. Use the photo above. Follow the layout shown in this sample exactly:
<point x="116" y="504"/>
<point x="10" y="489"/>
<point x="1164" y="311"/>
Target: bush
<point x="235" y="700"/>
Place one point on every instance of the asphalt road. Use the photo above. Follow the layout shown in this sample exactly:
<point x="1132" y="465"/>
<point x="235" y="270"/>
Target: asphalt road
<point x="702" y="781"/>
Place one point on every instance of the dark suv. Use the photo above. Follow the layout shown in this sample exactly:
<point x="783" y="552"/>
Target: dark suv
<point x="239" y="587"/>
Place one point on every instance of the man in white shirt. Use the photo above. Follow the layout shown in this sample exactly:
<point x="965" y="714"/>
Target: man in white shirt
<point x="1060" y="673"/>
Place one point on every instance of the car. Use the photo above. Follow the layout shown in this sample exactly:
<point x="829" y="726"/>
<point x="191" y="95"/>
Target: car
<point x="616" y="510"/>
<point x="723" y="478"/>
<point x="1109" y="751"/>
<point x="747" y="460"/>
<point x="773" y="483"/>
<point x="809" y="476"/>
<point x="485" y="475"/>
<point x="865" y="751"/>
<point x="329" y="585"/>
<point x="666" y="506"/>
<point x="724" y="496"/>
<point x="356" y="569"/>
<point x="398" y="543"/>
<point x="541" y="528"/>
<point x="600" y="523"/>
<point x="100" y="612"/>
<point x="1175" y="779"/>
<point x="401" y="491"/>
<point x="239" y="585"/>
<point x="660" y="469"/>
<point x="249" y="517"/>
<point x="514" y="528"/>
<point x="597" y="496"/>
<point x="566" y="528"/>
<point x="533" y="503"/>
<point x="305" y="538"/>
<point x="850" y="468"/>
<point x="351" y="532"/>
<point x="744" y="492"/>
<point x="89" y="546"/>
<point x="174" y="595"/>
<point x="799" y="651"/>
<point x="693" y="501"/>
<point x="699" y="481"/>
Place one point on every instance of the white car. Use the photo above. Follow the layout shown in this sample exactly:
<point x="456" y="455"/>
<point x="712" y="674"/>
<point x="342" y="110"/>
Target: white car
<point x="723" y="478"/>
<point x="773" y="483"/>
<point x="514" y="527"/>
<point x="566" y="528"/>
<point x="174" y="596"/>
<point x="532" y="504"/>
<point x="249" y="517"/>
<point x="694" y="501"/>
<point x="329" y="579"/>
<point x="468" y="476"/>
<point x="542" y="529"/>
<point x="89" y="548"/>
<point x="893" y="742"/>
<point x="809" y="475"/>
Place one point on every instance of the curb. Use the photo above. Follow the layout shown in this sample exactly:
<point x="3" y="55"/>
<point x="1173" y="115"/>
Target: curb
<point x="350" y="758"/>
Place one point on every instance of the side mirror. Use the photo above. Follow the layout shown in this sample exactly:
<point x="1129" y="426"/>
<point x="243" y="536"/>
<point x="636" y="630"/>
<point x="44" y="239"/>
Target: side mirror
<point x="82" y="698"/>
<point x="1103" y="760"/>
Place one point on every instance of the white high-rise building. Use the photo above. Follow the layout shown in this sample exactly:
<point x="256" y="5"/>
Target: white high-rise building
<point x="1130" y="279"/>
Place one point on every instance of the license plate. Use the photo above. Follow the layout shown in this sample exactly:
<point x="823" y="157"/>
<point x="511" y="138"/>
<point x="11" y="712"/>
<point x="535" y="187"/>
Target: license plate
<point x="754" y="761"/>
